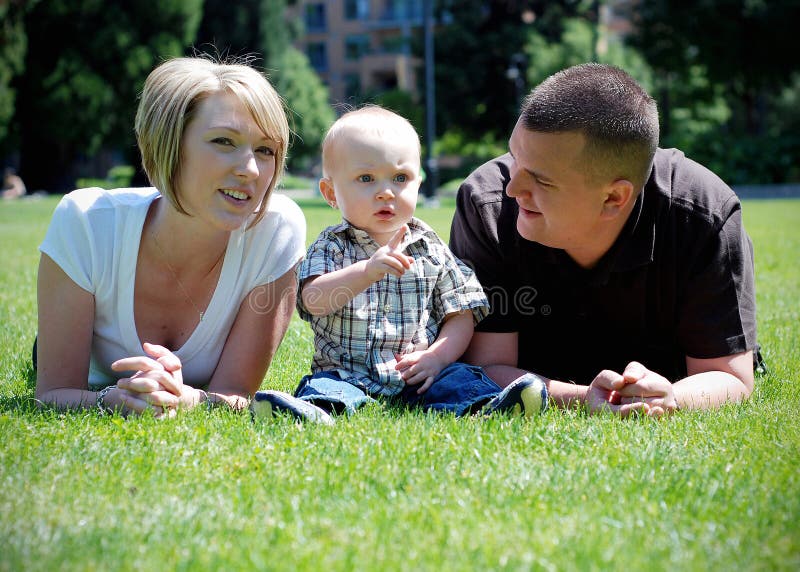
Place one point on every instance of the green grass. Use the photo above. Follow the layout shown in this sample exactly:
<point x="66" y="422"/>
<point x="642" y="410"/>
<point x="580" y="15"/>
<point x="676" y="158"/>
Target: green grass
<point x="388" y="490"/>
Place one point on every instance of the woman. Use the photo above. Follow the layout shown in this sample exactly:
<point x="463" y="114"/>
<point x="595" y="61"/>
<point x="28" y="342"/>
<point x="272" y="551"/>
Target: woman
<point x="176" y="295"/>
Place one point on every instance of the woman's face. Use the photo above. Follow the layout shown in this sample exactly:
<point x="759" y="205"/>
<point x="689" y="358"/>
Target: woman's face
<point x="227" y="163"/>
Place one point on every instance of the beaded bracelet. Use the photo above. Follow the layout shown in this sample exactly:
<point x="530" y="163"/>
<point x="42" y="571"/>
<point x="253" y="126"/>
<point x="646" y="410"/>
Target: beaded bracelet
<point x="101" y="395"/>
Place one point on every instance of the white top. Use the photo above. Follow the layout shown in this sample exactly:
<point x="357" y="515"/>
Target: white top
<point x="94" y="237"/>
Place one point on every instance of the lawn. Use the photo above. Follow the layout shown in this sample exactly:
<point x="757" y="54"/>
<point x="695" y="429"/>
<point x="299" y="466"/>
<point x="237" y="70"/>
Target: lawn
<point x="387" y="490"/>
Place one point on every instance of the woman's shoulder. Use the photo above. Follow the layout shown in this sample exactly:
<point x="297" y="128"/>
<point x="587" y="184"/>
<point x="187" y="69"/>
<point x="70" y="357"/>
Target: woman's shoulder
<point x="93" y="198"/>
<point x="282" y="212"/>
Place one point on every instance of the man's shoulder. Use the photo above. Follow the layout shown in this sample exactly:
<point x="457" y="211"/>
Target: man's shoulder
<point x="688" y="188"/>
<point x="487" y="183"/>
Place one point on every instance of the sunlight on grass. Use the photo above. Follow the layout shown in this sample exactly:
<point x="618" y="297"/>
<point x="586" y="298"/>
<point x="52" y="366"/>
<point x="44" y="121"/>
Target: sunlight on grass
<point x="393" y="490"/>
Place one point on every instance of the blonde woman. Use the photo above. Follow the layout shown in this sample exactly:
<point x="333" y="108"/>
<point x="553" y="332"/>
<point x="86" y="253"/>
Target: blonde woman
<point x="179" y="294"/>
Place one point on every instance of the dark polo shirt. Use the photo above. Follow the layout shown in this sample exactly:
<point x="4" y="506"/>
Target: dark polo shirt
<point x="678" y="281"/>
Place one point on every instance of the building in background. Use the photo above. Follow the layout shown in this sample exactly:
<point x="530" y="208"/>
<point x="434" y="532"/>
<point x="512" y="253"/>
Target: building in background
<point x="359" y="47"/>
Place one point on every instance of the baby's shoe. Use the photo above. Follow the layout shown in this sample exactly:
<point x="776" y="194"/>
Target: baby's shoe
<point x="267" y="404"/>
<point x="526" y="396"/>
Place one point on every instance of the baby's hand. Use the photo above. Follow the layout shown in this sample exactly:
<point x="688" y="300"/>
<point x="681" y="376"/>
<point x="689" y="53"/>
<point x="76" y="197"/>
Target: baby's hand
<point x="420" y="367"/>
<point x="390" y="259"/>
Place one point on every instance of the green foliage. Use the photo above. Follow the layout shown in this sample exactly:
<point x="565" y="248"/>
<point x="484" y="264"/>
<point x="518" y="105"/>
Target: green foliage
<point x="725" y="65"/>
<point x="393" y="490"/>
<point x="470" y="152"/>
<point x="576" y="46"/>
<point x="83" y="94"/>
<point x="260" y="31"/>
<point x="403" y="104"/>
<point x="13" y="46"/>
<point x="306" y="96"/>
<point x="118" y="177"/>
<point x="230" y="29"/>
<point x="475" y="51"/>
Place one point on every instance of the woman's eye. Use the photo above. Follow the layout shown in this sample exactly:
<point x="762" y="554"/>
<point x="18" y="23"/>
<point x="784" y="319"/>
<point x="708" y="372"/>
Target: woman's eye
<point x="222" y="141"/>
<point x="401" y="178"/>
<point x="365" y="178"/>
<point x="268" y="151"/>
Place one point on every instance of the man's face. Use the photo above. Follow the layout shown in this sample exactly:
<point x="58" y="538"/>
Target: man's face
<point x="558" y="206"/>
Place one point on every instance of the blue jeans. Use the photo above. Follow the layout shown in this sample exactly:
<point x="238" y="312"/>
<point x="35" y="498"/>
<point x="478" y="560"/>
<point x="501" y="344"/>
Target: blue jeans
<point x="459" y="388"/>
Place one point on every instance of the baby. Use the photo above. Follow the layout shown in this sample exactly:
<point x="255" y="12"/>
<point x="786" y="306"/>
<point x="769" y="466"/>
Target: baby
<point x="391" y="307"/>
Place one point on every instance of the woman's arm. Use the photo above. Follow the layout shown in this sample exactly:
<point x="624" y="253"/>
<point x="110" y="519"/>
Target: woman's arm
<point x="257" y="332"/>
<point x="66" y="321"/>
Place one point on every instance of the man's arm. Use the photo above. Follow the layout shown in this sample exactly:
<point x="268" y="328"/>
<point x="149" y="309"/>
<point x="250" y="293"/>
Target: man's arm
<point x="497" y="353"/>
<point x="710" y="384"/>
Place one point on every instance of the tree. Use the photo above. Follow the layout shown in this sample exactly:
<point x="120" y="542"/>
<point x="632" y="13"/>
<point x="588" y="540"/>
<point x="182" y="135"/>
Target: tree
<point x="230" y="29"/>
<point x="741" y="51"/>
<point x="259" y="31"/>
<point x="13" y="46"/>
<point x="309" y="112"/>
<point x="84" y="68"/>
<point x="479" y="45"/>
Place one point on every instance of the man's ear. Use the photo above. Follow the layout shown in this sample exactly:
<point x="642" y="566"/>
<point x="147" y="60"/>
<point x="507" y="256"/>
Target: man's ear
<point x="326" y="188"/>
<point x="619" y="195"/>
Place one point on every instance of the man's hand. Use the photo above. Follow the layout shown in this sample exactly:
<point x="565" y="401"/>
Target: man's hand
<point x="636" y="389"/>
<point x="389" y="259"/>
<point x="648" y="387"/>
<point x="420" y="367"/>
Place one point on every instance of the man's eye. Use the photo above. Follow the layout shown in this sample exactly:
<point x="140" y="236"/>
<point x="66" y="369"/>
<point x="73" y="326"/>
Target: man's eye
<point x="365" y="178"/>
<point x="401" y="178"/>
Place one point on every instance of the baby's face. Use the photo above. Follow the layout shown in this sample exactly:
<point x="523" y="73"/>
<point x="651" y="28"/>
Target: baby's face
<point x="375" y="179"/>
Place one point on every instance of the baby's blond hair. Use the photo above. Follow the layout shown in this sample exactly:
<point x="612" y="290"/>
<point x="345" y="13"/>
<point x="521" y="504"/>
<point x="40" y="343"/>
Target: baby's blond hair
<point x="367" y="119"/>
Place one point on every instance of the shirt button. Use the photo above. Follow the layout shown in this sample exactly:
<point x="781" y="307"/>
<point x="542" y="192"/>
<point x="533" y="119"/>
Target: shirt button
<point x="387" y="308"/>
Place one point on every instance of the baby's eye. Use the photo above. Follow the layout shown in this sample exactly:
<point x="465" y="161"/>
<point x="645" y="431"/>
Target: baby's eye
<point x="400" y="178"/>
<point x="365" y="178"/>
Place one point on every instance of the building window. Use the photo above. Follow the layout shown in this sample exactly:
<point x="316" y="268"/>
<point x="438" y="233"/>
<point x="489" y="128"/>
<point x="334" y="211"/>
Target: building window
<point x="355" y="47"/>
<point x="395" y="45"/>
<point x="356" y="9"/>
<point x="318" y="56"/>
<point x="315" y="17"/>
<point x="402" y="10"/>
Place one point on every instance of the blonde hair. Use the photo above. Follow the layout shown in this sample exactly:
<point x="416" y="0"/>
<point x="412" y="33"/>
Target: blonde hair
<point x="171" y="95"/>
<point x="367" y="119"/>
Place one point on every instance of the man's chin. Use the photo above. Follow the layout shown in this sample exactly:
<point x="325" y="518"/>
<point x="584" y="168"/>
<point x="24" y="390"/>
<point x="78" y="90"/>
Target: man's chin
<point x="526" y="232"/>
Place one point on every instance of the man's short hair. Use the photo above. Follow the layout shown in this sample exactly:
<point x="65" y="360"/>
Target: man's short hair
<point x="169" y="100"/>
<point x="615" y="114"/>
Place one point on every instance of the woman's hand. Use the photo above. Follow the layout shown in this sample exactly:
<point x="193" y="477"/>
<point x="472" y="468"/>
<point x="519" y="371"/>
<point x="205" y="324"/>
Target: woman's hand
<point x="157" y="384"/>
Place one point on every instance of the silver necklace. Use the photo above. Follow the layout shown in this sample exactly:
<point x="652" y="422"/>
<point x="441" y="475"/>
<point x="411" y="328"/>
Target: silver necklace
<point x="178" y="280"/>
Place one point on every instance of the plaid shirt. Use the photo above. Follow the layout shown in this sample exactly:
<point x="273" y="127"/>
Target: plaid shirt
<point x="392" y="316"/>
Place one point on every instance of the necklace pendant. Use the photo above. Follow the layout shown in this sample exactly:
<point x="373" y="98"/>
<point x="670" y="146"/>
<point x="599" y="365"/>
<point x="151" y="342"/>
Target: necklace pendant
<point x="202" y="315"/>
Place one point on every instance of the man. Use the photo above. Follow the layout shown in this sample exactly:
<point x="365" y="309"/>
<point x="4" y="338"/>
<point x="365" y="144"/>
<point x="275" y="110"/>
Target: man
<point x="619" y="270"/>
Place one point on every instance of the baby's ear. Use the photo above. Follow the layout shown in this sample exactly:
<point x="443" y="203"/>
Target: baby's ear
<point x="326" y="188"/>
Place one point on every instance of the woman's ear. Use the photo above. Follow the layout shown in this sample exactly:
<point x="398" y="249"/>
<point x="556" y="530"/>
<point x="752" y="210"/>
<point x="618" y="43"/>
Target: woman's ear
<point x="326" y="188"/>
